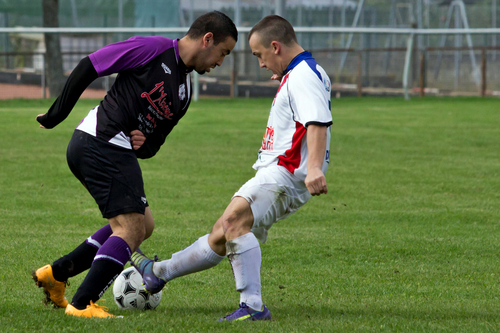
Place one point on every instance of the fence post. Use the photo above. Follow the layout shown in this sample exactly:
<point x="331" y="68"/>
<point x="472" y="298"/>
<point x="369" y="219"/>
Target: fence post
<point x="406" y="71"/>
<point x="422" y="74"/>
<point x="196" y="86"/>
<point x="358" y="76"/>
<point x="233" y="89"/>
<point x="44" y="93"/>
<point x="483" y="72"/>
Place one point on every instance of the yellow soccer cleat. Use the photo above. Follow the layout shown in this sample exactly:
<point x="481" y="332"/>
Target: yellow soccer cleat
<point x="53" y="289"/>
<point x="92" y="311"/>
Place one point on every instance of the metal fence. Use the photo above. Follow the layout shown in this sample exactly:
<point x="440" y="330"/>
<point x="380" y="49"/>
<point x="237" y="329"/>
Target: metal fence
<point x="409" y="70"/>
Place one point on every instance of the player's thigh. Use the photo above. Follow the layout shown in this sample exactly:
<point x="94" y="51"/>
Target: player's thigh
<point x="238" y="214"/>
<point x="236" y="220"/>
<point x="111" y="174"/>
<point x="128" y="222"/>
<point x="273" y="194"/>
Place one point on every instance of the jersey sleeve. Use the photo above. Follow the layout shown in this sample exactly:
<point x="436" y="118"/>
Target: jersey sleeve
<point x="309" y="91"/>
<point x="79" y="79"/>
<point x="128" y="54"/>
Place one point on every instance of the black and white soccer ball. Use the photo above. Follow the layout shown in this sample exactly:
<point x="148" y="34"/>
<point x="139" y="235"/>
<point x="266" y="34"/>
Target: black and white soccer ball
<point x="129" y="293"/>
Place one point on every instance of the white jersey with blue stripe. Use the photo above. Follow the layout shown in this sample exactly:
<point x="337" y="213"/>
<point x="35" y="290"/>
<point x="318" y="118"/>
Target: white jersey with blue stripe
<point x="303" y="98"/>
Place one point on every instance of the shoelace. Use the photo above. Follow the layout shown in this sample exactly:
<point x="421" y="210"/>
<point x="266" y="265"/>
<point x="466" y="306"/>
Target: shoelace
<point x="242" y="307"/>
<point x="143" y="260"/>
<point x="99" y="307"/>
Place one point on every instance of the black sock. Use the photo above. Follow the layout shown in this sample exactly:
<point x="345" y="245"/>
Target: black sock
<point x="99" y="278"/>
<point x="75" y="262"/>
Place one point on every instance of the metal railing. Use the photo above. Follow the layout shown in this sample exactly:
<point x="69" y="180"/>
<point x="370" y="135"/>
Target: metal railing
<point x="411" y="51"/>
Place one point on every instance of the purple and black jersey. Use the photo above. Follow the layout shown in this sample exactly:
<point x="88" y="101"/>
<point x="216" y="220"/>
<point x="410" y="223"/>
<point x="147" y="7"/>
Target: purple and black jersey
<point x="151" y="92"/>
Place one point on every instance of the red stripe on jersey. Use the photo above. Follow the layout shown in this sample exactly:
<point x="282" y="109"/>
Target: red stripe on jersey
<point x="283" y="80"/>
<point x="291" y="159"/>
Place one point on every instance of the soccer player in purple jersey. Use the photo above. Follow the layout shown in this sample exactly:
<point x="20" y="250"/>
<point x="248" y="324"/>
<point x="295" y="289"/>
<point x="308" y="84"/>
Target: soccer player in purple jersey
<point x="291" y="167"/>
<point x="150" y="95"/>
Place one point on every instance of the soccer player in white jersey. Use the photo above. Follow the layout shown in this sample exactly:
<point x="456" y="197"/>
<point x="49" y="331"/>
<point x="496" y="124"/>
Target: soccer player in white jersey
<point x="291" y="168"/>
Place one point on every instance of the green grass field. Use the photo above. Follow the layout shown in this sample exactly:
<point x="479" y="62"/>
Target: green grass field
<point x="407" y="239"/>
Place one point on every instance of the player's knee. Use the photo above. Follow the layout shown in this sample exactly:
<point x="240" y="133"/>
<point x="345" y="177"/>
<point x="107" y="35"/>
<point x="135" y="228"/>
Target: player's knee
<point x="141" y="235"/>
<point x="217" y="234"/>
<point x="149" y="227"/>
<point x="135" y="230"/>
<point x="149" y="223"/>
<point x="233" y="225"/>
<point x="148" y="234"/>
<point x="228" y="222"/>
<point x="136" y="238"/>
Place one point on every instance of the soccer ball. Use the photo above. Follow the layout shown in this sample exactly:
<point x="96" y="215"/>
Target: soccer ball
<point x="129" y="293"/>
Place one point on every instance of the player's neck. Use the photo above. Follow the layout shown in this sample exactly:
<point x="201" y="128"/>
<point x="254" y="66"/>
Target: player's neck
<point x="187" y="51"/>
<point x="290" y="53"/>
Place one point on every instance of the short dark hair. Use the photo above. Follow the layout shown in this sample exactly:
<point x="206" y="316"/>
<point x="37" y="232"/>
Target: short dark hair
<point x="274" y="27"/>
<point x="215" y="22"/>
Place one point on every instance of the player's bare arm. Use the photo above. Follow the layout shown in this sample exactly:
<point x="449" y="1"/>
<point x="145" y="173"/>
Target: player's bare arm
<point x="316" y="144"/>
<point x="137" y="139"/>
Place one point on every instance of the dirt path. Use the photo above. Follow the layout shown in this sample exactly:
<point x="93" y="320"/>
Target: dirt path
<point x="9" y="91"/>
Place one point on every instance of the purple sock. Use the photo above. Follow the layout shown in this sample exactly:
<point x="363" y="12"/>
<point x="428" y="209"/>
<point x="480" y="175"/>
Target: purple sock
<point x="99" y="237"/>
<point x="114" y="249"/>
<point x="80" y="259"/>
<point x="107" y="264"/>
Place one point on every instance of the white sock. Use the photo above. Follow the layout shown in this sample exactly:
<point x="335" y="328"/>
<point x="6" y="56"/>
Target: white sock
<point x="194" y="258"/>
<point x="246" y="258"/>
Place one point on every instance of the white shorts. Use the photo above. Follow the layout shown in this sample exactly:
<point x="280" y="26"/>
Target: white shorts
<point x="273" y="194"/>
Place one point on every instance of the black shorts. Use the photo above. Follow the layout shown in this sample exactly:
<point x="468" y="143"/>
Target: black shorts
<point x="111" y="174"/>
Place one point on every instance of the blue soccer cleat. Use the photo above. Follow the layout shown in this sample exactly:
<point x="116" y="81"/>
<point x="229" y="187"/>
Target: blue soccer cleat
<point x="245" y="313"/>
<point x="152" y="283"/>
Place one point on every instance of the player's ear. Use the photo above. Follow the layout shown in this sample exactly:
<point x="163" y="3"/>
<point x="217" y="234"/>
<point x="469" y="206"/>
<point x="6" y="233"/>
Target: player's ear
<point x="276" y="47"/>
<point x="208" y="38"/>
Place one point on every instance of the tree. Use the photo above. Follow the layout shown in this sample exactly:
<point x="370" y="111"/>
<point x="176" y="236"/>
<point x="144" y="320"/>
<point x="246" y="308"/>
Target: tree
<point x="53" y="61"/>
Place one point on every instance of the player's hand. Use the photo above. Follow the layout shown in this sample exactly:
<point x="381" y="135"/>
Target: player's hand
<point x="137" y="139"/>
<point x="276" y="77"/>
<point x="41" y="126"/>
<point x="316" y="182"/>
